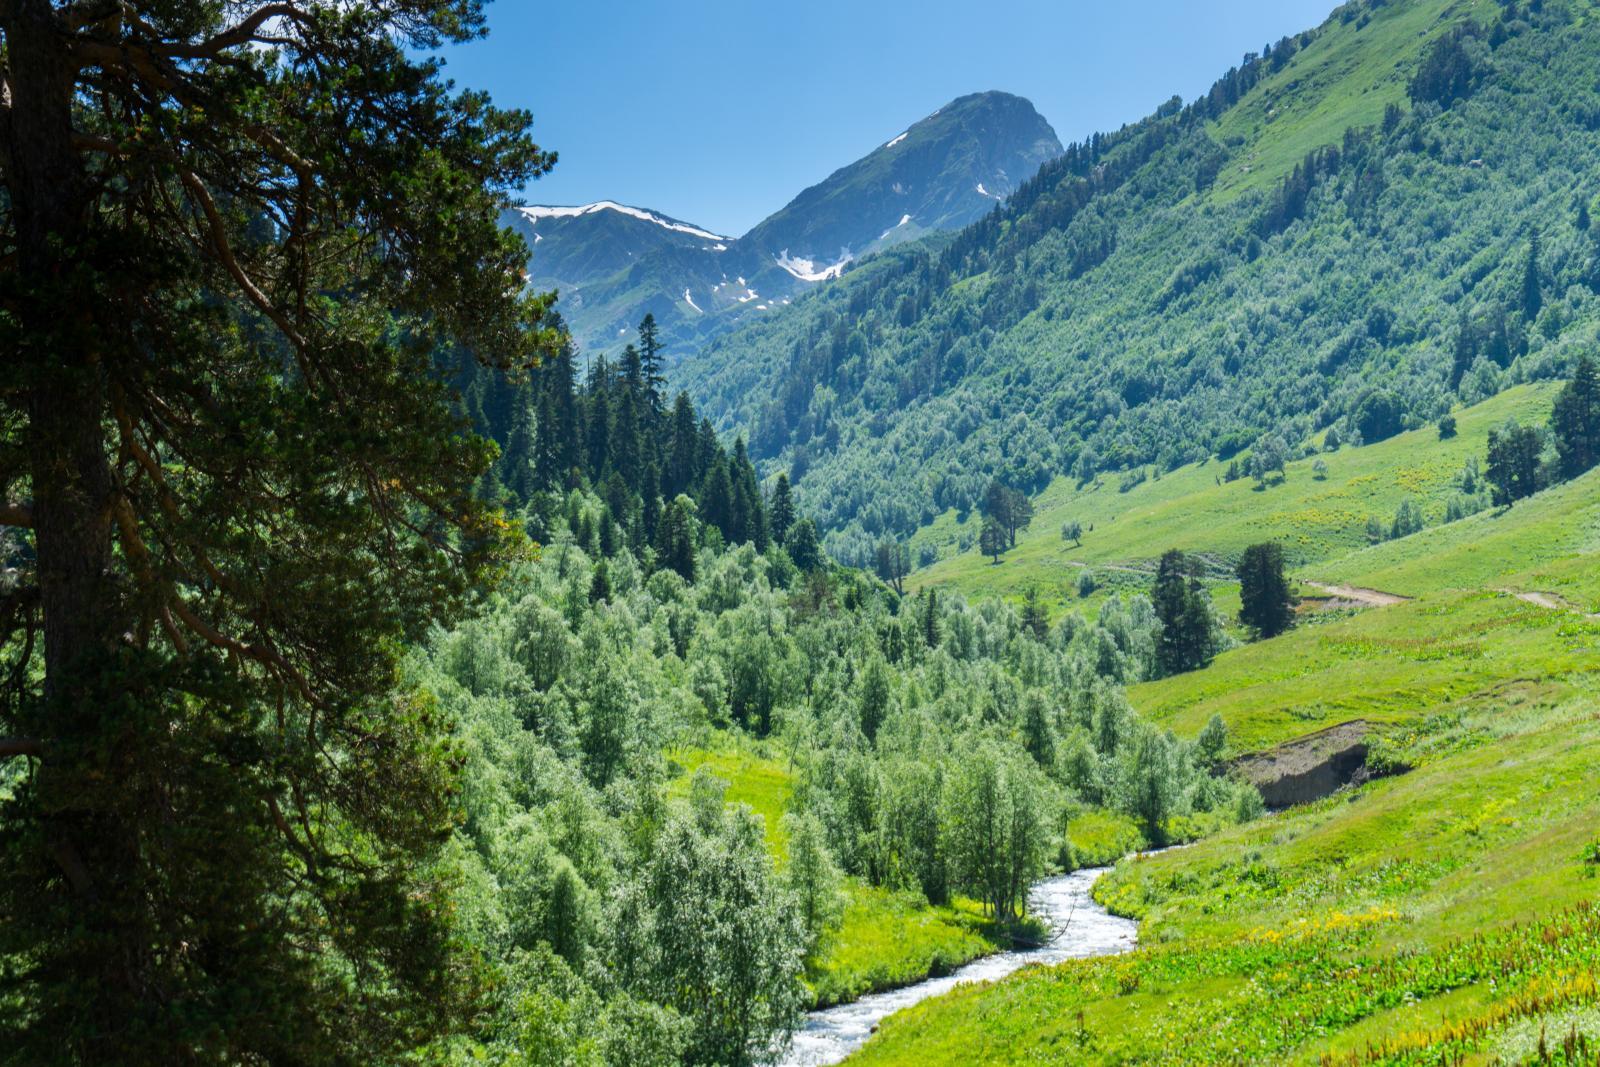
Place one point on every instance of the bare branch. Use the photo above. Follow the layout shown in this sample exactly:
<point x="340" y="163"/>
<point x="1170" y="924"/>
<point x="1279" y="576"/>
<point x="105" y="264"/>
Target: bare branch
<point x="241" y="33"/>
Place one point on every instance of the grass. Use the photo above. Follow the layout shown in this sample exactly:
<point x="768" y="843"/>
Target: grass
<point x="753" y="778"/>
<point x="1328" y="932"/>
<point x="1191" y="508"/>
<point x="1444" y="915"/>
<point x="890" y="939"/>
<point x="886" y="939"/>
<point x="1338" y="82"/>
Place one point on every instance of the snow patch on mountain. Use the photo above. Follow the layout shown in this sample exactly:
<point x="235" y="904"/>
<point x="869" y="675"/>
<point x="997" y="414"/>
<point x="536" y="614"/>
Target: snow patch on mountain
<point x="806" y="269"/>
<point x="903" y="220"/>
<point x="687" y="299"/>
<point x="539" y="212"/>
<point x="897" y="140"/>
<point x="984" y="192"/>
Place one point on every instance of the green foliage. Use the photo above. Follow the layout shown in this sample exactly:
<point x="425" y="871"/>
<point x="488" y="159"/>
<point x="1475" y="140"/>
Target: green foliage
<point x="678" y="785"/>
<point x="813" y="881"/>
<point x="705" y="931"/>
<point x="1189" y="636"/>
<point x="1265" y="602"/>
<point x="233" y="245"/>
<point x="1513" y="463"/>
<point x="1347" y="319"/>
<point x="1575" y="420"/>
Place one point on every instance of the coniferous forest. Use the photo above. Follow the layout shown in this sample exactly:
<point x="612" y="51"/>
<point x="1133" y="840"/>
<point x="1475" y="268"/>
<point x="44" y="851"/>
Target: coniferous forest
<point x="1172" y="596"/>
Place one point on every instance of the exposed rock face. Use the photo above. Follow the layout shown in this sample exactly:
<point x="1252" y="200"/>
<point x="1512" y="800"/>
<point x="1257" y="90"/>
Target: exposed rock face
<point x="1308" y="768"/>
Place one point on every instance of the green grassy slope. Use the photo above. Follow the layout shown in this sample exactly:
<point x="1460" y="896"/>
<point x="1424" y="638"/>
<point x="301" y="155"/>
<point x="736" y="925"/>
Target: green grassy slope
<point x="1445" y="915"/>
<point x="1190" y="508"/>
<point x="1336" y="82"/>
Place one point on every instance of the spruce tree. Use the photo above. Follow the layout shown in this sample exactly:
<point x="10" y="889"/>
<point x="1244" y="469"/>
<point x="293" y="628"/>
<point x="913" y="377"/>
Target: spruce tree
<point x="651" y="363"/>
<point x="1532" y="291"/>
<point x="930" y="619"/>
<point x="597" y="420"/>
<point x="1575" y="420"/>
<point x="782" y="509"/>
<point x="675" y="542"/>
<point x="683" y="465"/>
<point x="716" y="500"/>
<point x="805" y="548"/>
<point x="1035" y="619"/>
<point x="992" y="538"/>
<point x="1265" y="604"/>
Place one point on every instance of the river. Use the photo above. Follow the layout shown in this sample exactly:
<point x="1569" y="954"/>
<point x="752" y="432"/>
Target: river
<point x="1079" y="927"/>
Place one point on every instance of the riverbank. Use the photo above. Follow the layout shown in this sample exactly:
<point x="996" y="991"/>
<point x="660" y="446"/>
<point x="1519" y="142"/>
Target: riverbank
<point x="1079" y="927"/>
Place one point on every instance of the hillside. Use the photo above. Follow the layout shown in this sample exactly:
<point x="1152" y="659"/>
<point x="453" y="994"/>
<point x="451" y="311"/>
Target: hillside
<point x="1324" y="241"/>
<point x="1442" y="914"/>
<point x="1436" y="909"/>
<point x="613" y="264"/>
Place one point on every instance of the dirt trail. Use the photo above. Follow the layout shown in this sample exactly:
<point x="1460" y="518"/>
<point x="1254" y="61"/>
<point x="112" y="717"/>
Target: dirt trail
<point x="1374" y="598"/>
<point x="1548" y="601"/>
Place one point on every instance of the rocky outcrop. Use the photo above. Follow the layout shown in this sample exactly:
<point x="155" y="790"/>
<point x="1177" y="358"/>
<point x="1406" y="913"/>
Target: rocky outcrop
<point x="1308" y="768"/>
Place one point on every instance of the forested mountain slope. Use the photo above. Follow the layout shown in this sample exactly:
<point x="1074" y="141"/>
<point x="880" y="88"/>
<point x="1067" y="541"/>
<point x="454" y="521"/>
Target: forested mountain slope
<point x="1372" y="221"/>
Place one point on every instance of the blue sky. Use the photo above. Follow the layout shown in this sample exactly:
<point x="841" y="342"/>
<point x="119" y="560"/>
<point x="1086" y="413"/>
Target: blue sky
<point x="720" y="113"/>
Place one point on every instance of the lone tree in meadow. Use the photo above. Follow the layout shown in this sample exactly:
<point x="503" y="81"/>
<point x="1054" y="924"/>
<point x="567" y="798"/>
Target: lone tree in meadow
<point x="1008" y="507"/>
<point x="237" y="240"/>
<point x="1188" y="637"/>
<point x="1072" y="531"/>
<point x="892" y="562"/>
<point x="1575" y="420"/>
<point x="1513" y="462"/>
<point x="1266" y="605"/>
<point x="992" y="539"/>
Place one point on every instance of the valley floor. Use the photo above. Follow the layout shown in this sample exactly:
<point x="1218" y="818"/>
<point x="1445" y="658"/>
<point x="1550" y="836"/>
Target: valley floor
<point x="1446" y="913"/>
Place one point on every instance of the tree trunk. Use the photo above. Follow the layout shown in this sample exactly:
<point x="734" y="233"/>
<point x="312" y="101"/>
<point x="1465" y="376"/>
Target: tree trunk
<point x="72" y="480"/>
<point x="70" y="338"/>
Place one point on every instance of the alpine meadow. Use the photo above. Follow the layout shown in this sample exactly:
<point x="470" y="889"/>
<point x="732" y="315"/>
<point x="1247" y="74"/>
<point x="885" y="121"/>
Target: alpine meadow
<point x="1019" y="600"/>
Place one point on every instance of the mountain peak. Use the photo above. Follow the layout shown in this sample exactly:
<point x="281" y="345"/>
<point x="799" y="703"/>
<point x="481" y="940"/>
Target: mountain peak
<point x="613" y="262"/>
<point x="536" y="212"/>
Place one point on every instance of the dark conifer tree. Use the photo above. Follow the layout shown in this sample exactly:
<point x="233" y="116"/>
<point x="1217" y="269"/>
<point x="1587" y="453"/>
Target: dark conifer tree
<point x="675" y="542"/>
<point x="516" y="462"/>
<point x="598" y="419"/>
<point x="716" y="499"/>
<point x="1513" y="463"/>
<point x="627" y="438"/>
<point x="1265" y="602"/>
<point x="1575" y="421"/>
<point x="805" y="548"/>
<point x="782" y="509"/>
<point x="1532" y="291"/>
<point x="651" y="363"/>
<point x="600" y="585"/>
<point x="992" y="538"/>
<point x="1035" y="619"/>
<point x="683" y="465"/>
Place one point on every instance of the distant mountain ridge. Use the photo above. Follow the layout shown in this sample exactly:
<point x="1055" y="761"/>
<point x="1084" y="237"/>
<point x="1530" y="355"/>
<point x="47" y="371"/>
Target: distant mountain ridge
<point x="1351" y="232"/>
<point x="614" y="262"/>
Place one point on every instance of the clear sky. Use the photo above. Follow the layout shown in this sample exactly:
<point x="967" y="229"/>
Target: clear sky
<point x="719" y="113"/>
